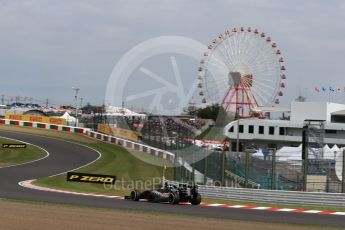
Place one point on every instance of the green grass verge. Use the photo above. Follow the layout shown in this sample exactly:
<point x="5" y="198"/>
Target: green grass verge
<point x="132" y="171"/>
<point x="18" y="156"/>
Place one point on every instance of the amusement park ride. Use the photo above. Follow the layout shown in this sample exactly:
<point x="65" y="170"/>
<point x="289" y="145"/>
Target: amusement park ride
<point x="242" y="70"/>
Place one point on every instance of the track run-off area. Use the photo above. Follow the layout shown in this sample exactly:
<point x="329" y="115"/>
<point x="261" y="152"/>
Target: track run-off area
<point x="66" y="156"/>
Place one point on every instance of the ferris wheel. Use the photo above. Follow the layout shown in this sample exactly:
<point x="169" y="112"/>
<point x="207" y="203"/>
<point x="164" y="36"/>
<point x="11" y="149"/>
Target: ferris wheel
<point x="242" y="69"/>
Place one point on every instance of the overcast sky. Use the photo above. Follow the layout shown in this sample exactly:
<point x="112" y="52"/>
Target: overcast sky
<point x="46" y="47"/>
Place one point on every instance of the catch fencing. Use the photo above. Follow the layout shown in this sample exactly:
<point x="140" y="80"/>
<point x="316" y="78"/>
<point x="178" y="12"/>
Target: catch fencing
<point x="271" y="196"/>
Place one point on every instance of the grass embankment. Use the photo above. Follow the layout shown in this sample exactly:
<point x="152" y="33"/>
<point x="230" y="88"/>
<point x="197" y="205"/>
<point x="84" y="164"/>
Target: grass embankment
<point x="131" y="169"/>
<point x="13" y="156"/>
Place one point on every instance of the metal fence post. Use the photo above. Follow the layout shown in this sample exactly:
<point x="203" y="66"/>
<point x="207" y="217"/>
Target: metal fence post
<point x="343" y="179"/>
<point x="305" y="156"/>
<point x="193" y="166"/>
<point x="181" y="170"/>
<point x="205" y="167"/>
<point x="273" y="182"/>
<point x="246" y="169"/>
<point x="176" y="166"/>
<point x="305" y="171"/>
<point x="223" y="168"/>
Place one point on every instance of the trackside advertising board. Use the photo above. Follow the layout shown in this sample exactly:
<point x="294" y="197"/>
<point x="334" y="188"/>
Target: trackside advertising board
<point x="43" y="119"/>
<point x="14" y="146"/>
<point x="91" y="178"/>
<point x="118" y="132"/>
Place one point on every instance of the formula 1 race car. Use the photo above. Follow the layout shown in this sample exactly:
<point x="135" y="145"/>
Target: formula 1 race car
<point x="169" y="194"/>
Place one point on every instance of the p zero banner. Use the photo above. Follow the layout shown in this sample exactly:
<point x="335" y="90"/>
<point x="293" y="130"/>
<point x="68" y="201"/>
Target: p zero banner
<point x="14" y="146"/>
<point x="91" y="178"/>
<point x="42" y="119"/>
<point x="118" y="132"/>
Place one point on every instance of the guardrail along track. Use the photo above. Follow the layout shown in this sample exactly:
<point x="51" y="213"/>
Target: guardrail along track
<point x="272" y="196"/>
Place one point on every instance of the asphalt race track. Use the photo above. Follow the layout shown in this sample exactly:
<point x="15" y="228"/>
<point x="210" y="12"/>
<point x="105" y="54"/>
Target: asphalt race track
<point x="65" y="156"/>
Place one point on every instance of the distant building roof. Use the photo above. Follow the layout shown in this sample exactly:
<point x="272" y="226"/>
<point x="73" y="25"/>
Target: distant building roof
<point x="120" y="111"/>
<point x="271" y="109"/>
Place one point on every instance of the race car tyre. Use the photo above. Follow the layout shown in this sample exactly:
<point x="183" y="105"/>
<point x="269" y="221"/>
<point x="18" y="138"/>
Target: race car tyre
<point x="174" y="198"/>
<point x="196" y="199"/>
<point x="154" y="197"/>
<point x="135" y="195"/>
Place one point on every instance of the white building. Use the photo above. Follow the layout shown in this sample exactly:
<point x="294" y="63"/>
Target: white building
<point x="278" y="133"/>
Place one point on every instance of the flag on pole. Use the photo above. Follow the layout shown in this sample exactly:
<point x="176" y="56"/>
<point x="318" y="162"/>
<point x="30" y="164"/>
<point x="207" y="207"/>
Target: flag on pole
<point x="331" y="89"/>
<point x="339" y="89"/>
<point x="323" y="88"/>
<point x="317" y="89"/>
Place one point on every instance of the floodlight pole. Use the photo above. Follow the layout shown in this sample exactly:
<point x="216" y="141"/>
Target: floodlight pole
<point x="76" y="105"/>
<point x="81" y="102"/>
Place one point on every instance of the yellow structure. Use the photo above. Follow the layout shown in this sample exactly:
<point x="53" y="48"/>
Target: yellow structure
<point x="42" y="119"/>
<point x="118" y="132"/>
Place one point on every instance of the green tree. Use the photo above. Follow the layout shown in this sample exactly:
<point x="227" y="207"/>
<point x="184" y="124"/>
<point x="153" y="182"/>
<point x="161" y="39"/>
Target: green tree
<point x="217" y="113"/>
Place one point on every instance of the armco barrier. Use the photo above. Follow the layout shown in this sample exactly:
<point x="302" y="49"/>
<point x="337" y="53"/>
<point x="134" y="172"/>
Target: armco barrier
<point x="40" y="125"/>
<point x="272" y="196"/>
<point x="103" y="137"/>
